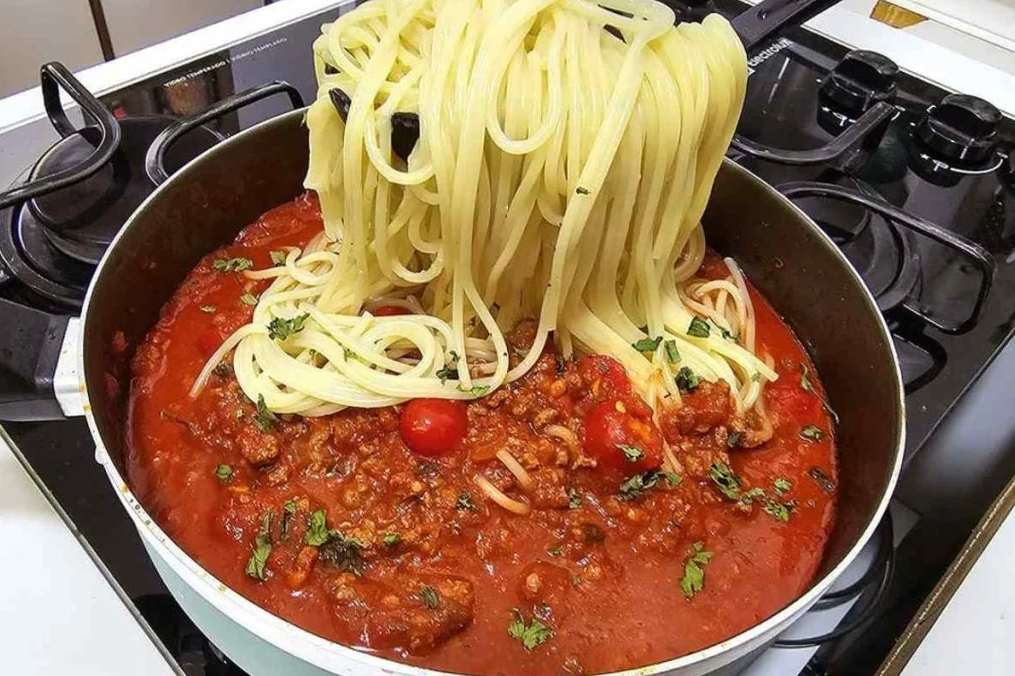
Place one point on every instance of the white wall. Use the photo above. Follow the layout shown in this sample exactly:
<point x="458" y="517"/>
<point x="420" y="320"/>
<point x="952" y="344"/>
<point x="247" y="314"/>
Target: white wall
<point x="134" y="24"/>
<point x="33" y="32"/>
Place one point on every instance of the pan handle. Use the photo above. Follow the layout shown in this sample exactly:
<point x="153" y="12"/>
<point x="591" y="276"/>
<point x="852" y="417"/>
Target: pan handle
<point x="757" y="24"/>
<point x="155" y="164"/>
<point x="53" y="77"/>
<point x="38" y="351"/>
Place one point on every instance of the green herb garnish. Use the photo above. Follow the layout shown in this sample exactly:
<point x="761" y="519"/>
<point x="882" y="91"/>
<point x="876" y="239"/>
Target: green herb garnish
<point x="280" y="329"/>
<point x="478" y="390"/>
<point x="687" y="380"/>
<point x="450" y="369"/>
<point x="257" y="564"/>
<point x="574" y="499"/>
<point x="264" y="418"/>
<point x="532" y="634"/>
<point x="694" y="570"/>
<point x="812" y="433"/>
<point x="637" y="484"/>
<point x="391" y="539"/>
<point x="288" y="512"/>
<point x="698" y="328"/>
<point x="724" y="478"/>
<point x="672" y="353"/>
<point x="464" y="502"/>
<point x="782" y="485"/>
<point x="224" y="473"/>
<point x="343" y="552"/>
<point x="556" y="550"/>
<point x="278" y="257"/>
<point x="232" y="264"/>
<point x="248" y="299"/>
<point x="581" y="191"/>
<point x="647" y="344"/>
<point x="777" y="509"/>
<point x="317" y="529"/>
<point x="632" y="453"/>
<point x="431" y="599"/>
<point x="733" y="439"/>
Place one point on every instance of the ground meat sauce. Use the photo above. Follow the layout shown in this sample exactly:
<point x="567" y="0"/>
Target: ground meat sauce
<point x="614" y="566"/>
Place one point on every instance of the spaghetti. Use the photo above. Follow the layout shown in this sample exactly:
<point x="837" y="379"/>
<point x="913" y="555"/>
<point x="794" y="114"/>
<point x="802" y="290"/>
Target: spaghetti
<point x="565" y="155"/>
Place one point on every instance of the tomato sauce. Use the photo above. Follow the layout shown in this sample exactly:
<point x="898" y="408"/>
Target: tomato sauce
<point x="336" y="525"/>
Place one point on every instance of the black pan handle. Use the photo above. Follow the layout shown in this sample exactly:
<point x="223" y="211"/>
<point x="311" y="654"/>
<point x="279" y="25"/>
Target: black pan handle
<point x="768" y="17"/>
<point x="54" y="77"/>
<point x="970" y="250"/>
<point x="155" y="159"/>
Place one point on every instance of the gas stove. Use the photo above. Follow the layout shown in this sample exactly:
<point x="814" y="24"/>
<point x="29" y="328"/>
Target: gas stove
<point x="916" y="185"/>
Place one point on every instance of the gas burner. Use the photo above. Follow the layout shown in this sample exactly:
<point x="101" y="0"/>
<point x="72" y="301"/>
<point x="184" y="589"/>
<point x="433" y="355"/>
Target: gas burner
<point x="885" y="255"/>
<point x="80" y="220"/>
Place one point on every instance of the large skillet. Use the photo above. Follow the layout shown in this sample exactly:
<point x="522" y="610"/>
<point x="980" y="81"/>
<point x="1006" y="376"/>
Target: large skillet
<point x="205" y="204"/>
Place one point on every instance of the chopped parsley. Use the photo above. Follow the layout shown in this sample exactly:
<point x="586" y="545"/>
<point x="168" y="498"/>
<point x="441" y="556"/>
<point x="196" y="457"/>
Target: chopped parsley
<point x="581" y="191"/>
<point x="478" y="390"/>
<point x="687" y="380"/>
<point x="693" y="580"/>
<point x="574" y="499"/>
<point x="632" y="453"/>
<point x="777" y="509"/>
<point x="280" y="329"/>
<point x="647" y="344"/>
<point x="698" y="328"/>
<point x="672" y="353"/>
<point x="391" y="539"/>
<point x="429" y="596"/>
<point x="264" y="418"/>
<point x="464" y="502"/>
<point x="733" y="439"/>
<point x="724" y="478"/>
<point x="782" y="485"/>
<point x="530" y="635"/>
<point x="248" y="299"/>
<point x="288" y="512"/>
<point x="450" y="369"/>
<point x="317" y="529"/>
<point x="232" y="264"/>
<point x="257" y="564"/>
<point x="208" y="309"/>
<point x="224" y="473"/>
<point x="278" y="257"/>
<point x="343" y="552"/>
<point x="556" y="550"/>
<point x="637" y="484"/>
<point x="812" y="433"/>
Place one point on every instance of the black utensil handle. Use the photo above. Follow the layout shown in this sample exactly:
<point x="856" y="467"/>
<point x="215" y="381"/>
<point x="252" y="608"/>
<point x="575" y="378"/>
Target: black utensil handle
<point x="972" y="251"/>
<point x="757" y="24"/>
<point x="54" y="77"/>
<point x="155" y="158"/>
<point x="30" y="349"/>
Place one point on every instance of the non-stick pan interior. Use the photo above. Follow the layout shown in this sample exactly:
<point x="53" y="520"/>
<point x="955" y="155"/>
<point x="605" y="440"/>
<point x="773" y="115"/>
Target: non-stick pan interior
<point x="797" y="268"/>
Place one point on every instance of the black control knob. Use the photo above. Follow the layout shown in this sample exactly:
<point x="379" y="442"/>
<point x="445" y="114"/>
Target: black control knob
<point x="859" y="81"/>
<point x="961" y="130"/>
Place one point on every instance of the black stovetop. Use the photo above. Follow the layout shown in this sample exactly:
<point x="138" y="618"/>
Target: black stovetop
<point x="928" y="290"/>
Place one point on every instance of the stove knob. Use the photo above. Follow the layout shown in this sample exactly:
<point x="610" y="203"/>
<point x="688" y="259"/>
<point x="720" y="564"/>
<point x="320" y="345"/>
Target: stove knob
<point x="960" y="130"/>
<point x="859" y="81"/>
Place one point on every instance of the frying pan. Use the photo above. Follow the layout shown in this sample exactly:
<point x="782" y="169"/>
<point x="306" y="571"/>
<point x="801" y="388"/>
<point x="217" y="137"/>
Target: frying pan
<point x="204" y="205"/>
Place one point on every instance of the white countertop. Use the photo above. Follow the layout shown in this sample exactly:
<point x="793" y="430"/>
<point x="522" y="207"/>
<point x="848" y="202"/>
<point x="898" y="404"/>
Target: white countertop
<point x="58" y="613"/>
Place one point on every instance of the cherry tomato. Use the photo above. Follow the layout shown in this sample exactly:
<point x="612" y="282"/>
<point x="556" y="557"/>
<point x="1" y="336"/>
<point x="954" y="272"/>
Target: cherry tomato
<point x="433" y="427"/>
<point x="604" y="375"/>
<point x="620" y="434"/>
<point x="389" y="311"/>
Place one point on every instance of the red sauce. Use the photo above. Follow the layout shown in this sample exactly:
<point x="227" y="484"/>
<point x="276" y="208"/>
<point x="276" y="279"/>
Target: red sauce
<point x="602" y="572"/>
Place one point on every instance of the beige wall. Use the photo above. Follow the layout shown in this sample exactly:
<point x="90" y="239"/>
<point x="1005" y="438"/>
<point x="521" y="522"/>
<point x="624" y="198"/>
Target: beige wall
<point x="134" y="24"/>
<point x="33" y="32"/>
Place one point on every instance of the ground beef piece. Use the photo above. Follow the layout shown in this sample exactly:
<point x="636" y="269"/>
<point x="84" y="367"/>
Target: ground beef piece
<point x="707" y="407"/>
<point x="420" y="614"/>
<point x="258" y="448"/>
